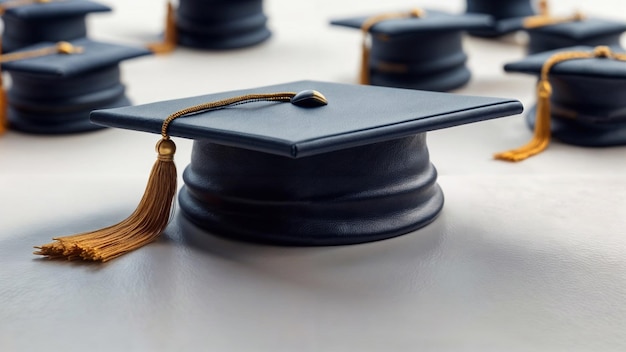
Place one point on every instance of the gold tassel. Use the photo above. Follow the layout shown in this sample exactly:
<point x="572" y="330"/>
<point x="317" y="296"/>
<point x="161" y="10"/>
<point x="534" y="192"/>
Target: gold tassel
<point x="364" y="76"/>
<point x="143" y="226"/>
<point x="152" y="215"/>
<point x="542" y="133"/>
<point x="170" y="35"/>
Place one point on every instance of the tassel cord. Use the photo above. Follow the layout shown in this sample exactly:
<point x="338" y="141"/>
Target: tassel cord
<point x="364" y="76"/>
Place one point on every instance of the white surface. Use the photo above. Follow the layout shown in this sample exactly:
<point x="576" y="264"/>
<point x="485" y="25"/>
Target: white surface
<point x="524" y="257"/>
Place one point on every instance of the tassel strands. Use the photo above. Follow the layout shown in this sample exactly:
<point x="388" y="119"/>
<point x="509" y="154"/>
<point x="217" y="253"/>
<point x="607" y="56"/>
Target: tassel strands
<point x="546" y="19"/>
<point x="364" y="76"/>
<point x="152" y="215"/>
<point x="542" y="133"/>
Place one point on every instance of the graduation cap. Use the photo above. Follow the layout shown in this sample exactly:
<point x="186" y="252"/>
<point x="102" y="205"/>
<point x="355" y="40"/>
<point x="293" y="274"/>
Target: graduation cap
<point x="332" y="164"/>
<point x="508" y="16"/>
<point x="580" y="99"/>
<point x="547" y="32"/>
<point x="417" y="49"/>
<point x="54" y="86"/>
<point x="28" y="22"/>
<point x="216" y="25"/>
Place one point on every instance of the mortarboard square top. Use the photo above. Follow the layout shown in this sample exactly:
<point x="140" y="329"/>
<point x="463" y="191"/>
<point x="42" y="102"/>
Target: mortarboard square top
<point x="54" y="93"/>
<point x="433" y="21"/>
<point x="352" y="171"/>
<point x="508" y="16"/>
<point x="424" y="52"/>
<point x="56" y="20"/>
<point x="588" y="101"/>
<point x="53" y="9"/>
<point x="93" y="55"/>
<point x="588" y="32"/>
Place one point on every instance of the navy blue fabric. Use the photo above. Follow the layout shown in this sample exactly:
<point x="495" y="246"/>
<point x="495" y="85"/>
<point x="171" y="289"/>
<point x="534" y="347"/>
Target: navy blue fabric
<point x="598" y="67"/>
<point x="356" y="115"/>
<point x="433" y="21"/>
<point x="221" y="24"/>
<point x="507" y="15"/>
<point x="42" y="22"/>
<point x="349" y="196"/>
<point x="96" y="55"/>
<point x="590" y="32"/>
<point x="54" y="9"/>
<point x="59" y="122"/>
<point x="419" y="53"/>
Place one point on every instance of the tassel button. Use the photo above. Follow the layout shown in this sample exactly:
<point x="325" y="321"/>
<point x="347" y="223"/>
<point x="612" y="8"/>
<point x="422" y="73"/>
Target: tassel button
<point x="166" y="149"/>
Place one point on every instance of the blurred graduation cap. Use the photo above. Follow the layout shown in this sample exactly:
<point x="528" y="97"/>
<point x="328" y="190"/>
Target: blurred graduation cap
<point x="581" y="99"/>
<point x="507" y="16"/>
<point x="417" y="49"/>
<point x="213" y="24"/>
<point x="54" y="86"/>
<point x="332" y="164"/>
<point x="548" y="32"/>
<point x="28" y="22"/>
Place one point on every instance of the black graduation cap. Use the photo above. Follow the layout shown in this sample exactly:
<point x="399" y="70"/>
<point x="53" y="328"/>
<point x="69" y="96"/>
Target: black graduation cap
<point x="28" y="22"/>
<point x="581" y="98"/>
<point x="575" y="31"/>
<point x="215" y="25"/>
<point x="53" y="91"/>
<point x="508" y="16"/>
<point x="340" y="164"/>
<point x="417" y="49"/>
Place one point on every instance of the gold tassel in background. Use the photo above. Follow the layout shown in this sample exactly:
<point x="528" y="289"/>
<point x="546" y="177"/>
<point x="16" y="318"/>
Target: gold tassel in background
<point x="542" y="133"/>
<point x="4" y="120"/>
<point x="170" y="35"/>
<point x="152" y="215"/>
<point x="364" y="76"/>
<point x="544" y="18"/>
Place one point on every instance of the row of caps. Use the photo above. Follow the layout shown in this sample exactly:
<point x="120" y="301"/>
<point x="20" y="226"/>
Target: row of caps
<point x="394" y="57"/>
